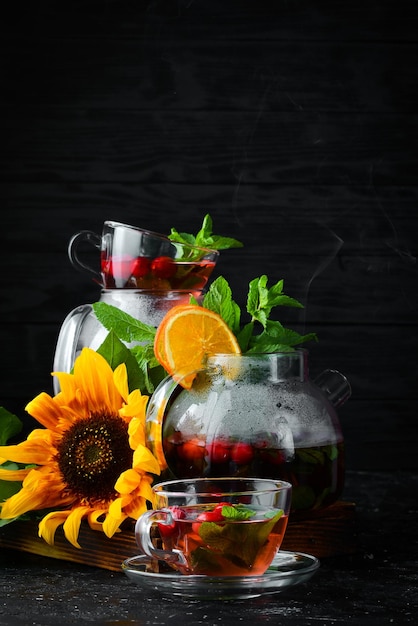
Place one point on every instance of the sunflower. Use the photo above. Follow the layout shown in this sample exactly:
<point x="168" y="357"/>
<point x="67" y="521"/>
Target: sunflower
<point x="90" y="459"/>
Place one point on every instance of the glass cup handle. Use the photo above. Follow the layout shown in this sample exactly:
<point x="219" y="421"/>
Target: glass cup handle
<point x="143" y="528"/>
<point x="91" y="238"/>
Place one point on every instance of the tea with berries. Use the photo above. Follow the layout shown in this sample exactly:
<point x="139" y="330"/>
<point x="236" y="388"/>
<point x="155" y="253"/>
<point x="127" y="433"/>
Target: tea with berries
<point x="160" y="273"/>
<point x="224" y="539"/>
<point x="316" y="472"/>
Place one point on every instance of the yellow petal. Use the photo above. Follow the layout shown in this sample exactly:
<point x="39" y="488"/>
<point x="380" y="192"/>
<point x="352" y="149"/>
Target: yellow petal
<point x="111" y="524"/>
<point x="145" y="461"/>
<point x="93" y="517"/>
<point x="94" y="376"/>
<point x="120" y="378"/>
<point x="136" y="432"/>
<point x="15" y="475"/>
<point x="72" y="524"/>
<point x="128" y="481"/>
<point x="49" y="524"/>
<point x="68" y="387"/>
<point x="136" y="405"/>
<point x="136" y="507"/>
<point x="36" y="450"/>
<point x="44" y="410"/>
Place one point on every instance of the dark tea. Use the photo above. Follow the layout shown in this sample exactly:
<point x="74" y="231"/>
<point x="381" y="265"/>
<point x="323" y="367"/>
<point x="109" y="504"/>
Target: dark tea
<point x="161" y="273"/>
<point x="316" y="473"/>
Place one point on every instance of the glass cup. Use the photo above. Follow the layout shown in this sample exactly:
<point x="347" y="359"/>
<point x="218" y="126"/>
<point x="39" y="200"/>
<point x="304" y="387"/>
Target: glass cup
<point x="134" y="258"/>
<point x="216" y="526"/>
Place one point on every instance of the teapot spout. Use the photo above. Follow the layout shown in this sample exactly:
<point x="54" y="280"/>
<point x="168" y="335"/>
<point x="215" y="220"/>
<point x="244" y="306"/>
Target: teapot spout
<point x="335" y="386"/>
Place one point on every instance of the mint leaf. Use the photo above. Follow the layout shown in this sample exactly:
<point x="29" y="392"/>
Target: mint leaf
<point x="219" y="299"/>
<point x="115" y="352"/>
<point x="276" y="338"/>
<point x="126" y="327"/>
<point x="237" y="512"/>
<point x="10" y="425"/>
<point x="153" y="373"/>
<point x="244" y="336"/>
<point x="205" y="238"/>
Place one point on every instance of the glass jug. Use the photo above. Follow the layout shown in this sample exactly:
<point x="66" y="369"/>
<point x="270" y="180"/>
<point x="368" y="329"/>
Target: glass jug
<point x="141" y="272"/>
<point x="256" y="416"/>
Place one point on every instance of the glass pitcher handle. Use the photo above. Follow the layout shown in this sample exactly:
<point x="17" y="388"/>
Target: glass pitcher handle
<point x="91" y="238"/>
<point x="67" y="343"/>
<point x="335" y="386"/>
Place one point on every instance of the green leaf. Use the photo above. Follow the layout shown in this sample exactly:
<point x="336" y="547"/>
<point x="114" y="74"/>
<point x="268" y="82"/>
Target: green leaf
<point x="205" y="238"/>
<point x="237" y="512"/>
<point x="219" y="299"/>
<point x="126" y="327"/>
<point x="276" y="338"/>
<point x="244" y="336"/>
<point x="115" y="352"/>
<point x="8" y="488"/>
<point x="10" y="425"/>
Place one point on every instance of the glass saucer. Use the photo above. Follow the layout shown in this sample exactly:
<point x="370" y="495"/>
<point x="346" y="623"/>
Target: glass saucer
<point x="287" y="570"/>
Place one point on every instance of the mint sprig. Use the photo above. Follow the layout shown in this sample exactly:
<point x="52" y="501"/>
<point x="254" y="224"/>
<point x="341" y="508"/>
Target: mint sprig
<point x="205" y="237"/>
<point x="261" y="300"/>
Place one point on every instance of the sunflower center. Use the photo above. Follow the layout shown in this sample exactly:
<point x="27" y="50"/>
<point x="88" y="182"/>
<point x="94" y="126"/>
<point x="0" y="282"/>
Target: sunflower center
<point x="92" y="454"/>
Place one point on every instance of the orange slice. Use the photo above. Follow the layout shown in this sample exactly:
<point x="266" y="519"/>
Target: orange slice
<point x="187" y="336"/>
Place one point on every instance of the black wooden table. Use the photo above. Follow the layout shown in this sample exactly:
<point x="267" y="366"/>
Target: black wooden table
<point x="377" y="585"/>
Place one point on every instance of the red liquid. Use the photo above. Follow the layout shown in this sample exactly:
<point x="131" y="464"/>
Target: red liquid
<point x="161" y="273"/>
<point x="224" y="548"/>
<point x="316" y="474"/>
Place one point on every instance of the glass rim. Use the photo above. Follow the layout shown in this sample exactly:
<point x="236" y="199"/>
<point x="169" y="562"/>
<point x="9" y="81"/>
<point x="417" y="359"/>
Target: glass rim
<point x="274" y="486"/>
<point x="232" y="355"/>
<point x="152" y="233"/>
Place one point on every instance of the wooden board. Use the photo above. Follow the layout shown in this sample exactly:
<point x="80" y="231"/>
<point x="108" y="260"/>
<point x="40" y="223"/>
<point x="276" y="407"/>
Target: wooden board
<point x="325" y="533"/>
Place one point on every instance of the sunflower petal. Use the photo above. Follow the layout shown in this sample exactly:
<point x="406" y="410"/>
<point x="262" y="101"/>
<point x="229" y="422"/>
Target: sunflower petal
<point x="44" y="410"/>
<point x="136" y="432"/>
<point x="15" y="475"/>
<point x="93" y="517"/>
<point x="68" y="387"/>
<point x="136" y="507"/>
<point x="120" y="378"/>
<point x="49" y="524"/>
<point x="145" y="461"/>
<point x="136" y="405"/>
<point x="94" y="376"/>
<point x="111" y="523"/>
<point x="72" y="524"/>
<point x="34" y="451"/>
<point x="127" y="482"/>
<point x="29" y="500"/>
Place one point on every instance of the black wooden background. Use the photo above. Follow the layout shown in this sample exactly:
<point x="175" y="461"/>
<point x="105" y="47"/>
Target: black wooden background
<point x="293" y="123"/>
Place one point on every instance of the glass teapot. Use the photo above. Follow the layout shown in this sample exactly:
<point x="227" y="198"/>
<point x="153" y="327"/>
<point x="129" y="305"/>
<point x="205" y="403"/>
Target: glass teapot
<point x="141" y="272"/>
<point x="256" y="416"/>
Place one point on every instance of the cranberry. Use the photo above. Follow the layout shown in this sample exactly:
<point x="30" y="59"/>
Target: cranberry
<point x="242" y="453"/>
<point x="208" y="516"/>
<point x="141" y="267"/>
<point x="191" y="450"/>
<point x="168" y="530"/>
<point x="219" y="452"/>
<point x="163" y="267"/>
